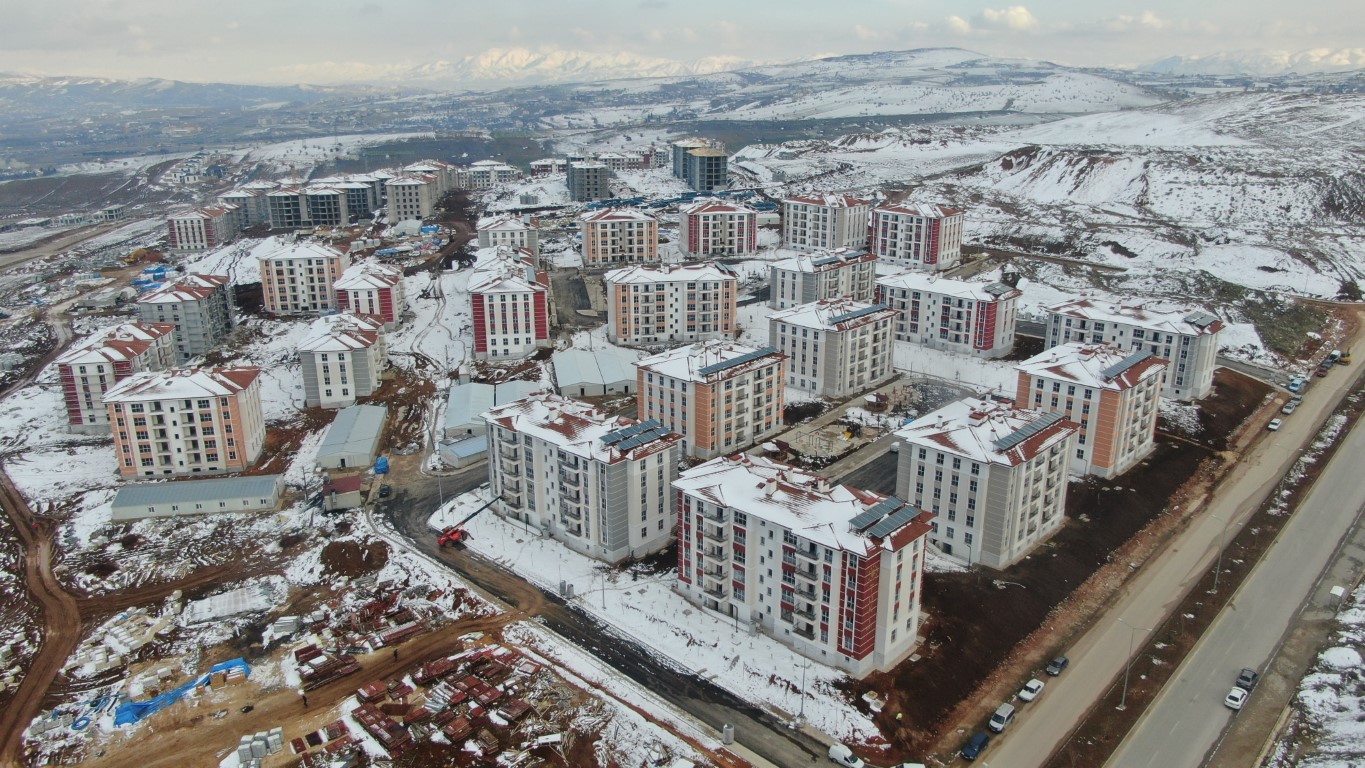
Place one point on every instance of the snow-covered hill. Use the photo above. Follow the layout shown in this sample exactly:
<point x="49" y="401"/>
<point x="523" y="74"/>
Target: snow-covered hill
<point x="1262" y="62"/>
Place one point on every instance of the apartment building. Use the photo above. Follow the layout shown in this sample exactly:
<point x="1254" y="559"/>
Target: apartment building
<point x="510" y="231"/>
<point x="299" y="276"/>
<point x="595" y="482"/>
<point x="1188" y="338"/>
<point x="671" y="303"/>
<point x="678" y="151"/>
<point x="1112" y="393"/>
<point x="837" y="347"/>
<point x="510" y="305"/>
<point x="200" y="308"/>
<point x="372" y="288"/>
<point x="201" y="229"/>
<point x="343" y="357"/>
<point x="619" y="235"/>
<point x="289" y="209"/>
<point x="706" y="169"/>
<point x="412" y="198"/>
<point x="711" y="227"/>
<point x="994" y="477"/>
<point x="721" y="396"/>
<point x="250" y="203"/>
<point x="953" y="315"/>
<point x="833" y="572"/>
<point x="443" y="174"/>
<point x="187" y="421"/>
<point x="917" y="236"/>
<point x="823" y="275"/>
<point x="485" y="174"/>
<point x="548" y="166"/>
<point x="824" y="223"/>
<point x="94" y="364"/>
<point x="587" y="180"/>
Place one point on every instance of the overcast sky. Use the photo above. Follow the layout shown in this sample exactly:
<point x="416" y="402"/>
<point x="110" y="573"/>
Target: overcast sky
<point x="327" y="41"/>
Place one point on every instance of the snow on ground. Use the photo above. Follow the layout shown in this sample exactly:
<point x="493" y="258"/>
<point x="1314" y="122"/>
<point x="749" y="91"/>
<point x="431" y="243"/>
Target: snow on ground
<point x="550" y="190"/>
<point x="1331" y="699"/>
<point x="644" y="607"/>
<point x="20" y="238"/>
<point x="307" y="152"/>
<point x="237" y="260"/>
<point x="276" y="352"/>
<point x="753" y="323"/>
<point x="145" y="229"/>
<point x="1145" y="127"/>
<point x="989" y="375"/>
<point x="443" y="327"/>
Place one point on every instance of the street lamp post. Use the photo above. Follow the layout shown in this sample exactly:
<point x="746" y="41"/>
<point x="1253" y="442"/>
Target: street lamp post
<point x="1222" y="543"/>
<point x="801" y="712"/>
<point x="1128" y="668"/>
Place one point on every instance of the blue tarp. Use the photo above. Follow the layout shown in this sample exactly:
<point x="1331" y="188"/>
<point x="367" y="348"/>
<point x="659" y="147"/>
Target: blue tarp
<point x="135" y="711"/>
<point x="381" y="465"/>
<point x="431" y="228"/>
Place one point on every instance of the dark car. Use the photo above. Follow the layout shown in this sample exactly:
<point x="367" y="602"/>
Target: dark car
<point x="1056" y="666"/>
<point x="976" y="746"/>
<point x="1247" y="678"/>
<point x="385" y="491"/>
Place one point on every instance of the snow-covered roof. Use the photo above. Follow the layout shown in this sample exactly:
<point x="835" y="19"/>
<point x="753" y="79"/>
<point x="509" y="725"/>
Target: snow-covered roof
<point x="923" y="210"/>
<point x="600" y="367"/>
<point x="120" y="343"/>
<point x="806" y="504"/>
<point x="577" y="427"/>
<point x="280" y="248"/>
<point x="368" y="275"/>
<point x="670" y="273"/>
<point x="616" y="214"/>
<point x="843" y="314"/>
<point x="502" y="270"/>
<point x="182" y="383"/>
<point x="187" y="288"/>
<point x="958" y="289"/>
<point x="712" y="205"/>
<point x="202" y="213"/>
<point x="1094" y="365"/>
<point x="342" y="332"/>
<point x="709" y="360"/>
<point x="988" y="431"/>
<point x="466" y="403"/>
<point x="824" y="261"/>
<point x="829" y="201"/>
<point x="1188" y="322"/>
<point x="504" y="223"/>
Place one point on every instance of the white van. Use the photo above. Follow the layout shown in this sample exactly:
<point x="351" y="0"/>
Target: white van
<point x="844" y="756"/>
<point x="1004" y="715"/>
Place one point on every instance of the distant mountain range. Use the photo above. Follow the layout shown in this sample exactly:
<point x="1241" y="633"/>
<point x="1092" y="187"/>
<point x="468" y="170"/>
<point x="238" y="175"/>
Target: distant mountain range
<point x="36" y="94"/>
<point x="1262" y="63"/>
<point x="522" y="66"/>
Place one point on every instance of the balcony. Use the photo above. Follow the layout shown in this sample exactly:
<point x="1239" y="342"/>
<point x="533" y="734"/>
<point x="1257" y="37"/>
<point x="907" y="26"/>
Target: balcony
<point x="570" y="513"/>
<point x="805" y="613"/>
<point x="809" y="574"/>
<point x="715" y="516"/>
<point x="808" y="632"/>
<point x="716" y="553"/>
<point x="718" y="593"/>
<point x="718" y="535"/>
<point x="809" y="554"/>
<point x="507" y="438"/>
<point x="569" y="479"/>
<point x="576" y="530"/>
<point x="719" y="573"/>
<point x="511" y="453"/>
<point x="573" y="497"/>
<point x="807" y="594"/>
<point x="512" y="484"/>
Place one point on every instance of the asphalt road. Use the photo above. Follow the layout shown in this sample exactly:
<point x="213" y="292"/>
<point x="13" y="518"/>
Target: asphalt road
<point x="877" y="475"/>
<point x="1186" y="720"/>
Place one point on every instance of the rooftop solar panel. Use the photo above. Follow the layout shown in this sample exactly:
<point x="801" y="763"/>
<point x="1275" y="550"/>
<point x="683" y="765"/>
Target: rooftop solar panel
<point x="1118" y="368"/>
<point x="857" y="314"/>
<point x="874" y="513"/>
<point x="734" y="361"/>
<point x="893" y="521"/>
<point x="611" y="438"/>
<point x="1028" y="430"/>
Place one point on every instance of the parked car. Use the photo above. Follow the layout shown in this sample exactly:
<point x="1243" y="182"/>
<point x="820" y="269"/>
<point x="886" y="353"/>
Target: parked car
<point x="385" y="491"/>
<point x="1004" y="715"/>
<point x="1289" y="407"/>
<point x="1235" y="698"/>
<point x="1057" y="665"/>
<point x="1321" y="371"/>
<point x="1247" y="679"/>
<point x="840" y="754"/>
<point x="1032" y="690"/>
<point x="1274" y="424"/>
<point x="976" y="746"/>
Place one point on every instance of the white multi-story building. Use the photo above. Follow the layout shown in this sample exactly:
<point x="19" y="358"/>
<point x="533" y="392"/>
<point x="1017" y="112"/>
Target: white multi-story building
<point x="994" y="477"/>
<point x="200" y="308"/>
<point x="918" y="236"/>
<point x="953" y="315"/>
<point x="672" y="303"/>
<point x="1113" y="394"/>
<point x="509" y="231"/>
<point x="201" y="229"/>
<point x="825" y="223"/>
<point x="720" y="396"/>
<point x="596" y="482"/>
<point x="371" y="287"/>
<point x="91" y="366"/>
<point x="1188" y="338"/>
<point x="619" y="235"/>
<point x="485" y="174"/>
<point x="836" y="274"/>
<point x="299" y="276"/>
<point x="834" y="572"/>
<point x="343" y="357"/>
<point x="412" y="198"/>
<point x="837" y="348"/>
<point x="710" y="227"/>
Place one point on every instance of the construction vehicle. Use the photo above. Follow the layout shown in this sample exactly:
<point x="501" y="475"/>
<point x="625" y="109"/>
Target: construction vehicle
<point x="1345" y="358"/>
<point x="456" y="535"/>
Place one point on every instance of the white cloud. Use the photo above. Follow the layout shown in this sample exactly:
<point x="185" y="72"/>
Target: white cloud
<point x="1015" y="17"/>
<point x="1145" y="20"/>
<point x="959" y="25"/>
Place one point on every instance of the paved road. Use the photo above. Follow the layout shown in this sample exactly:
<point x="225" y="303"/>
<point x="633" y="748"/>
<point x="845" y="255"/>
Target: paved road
<point x="877" y="475"/>
<point x="1188" y="717"/>
<point x="1099" y="656"/>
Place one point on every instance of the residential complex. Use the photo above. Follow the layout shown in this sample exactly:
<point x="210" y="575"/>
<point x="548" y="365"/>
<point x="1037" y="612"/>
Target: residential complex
<point x="917" y="236"/>
<point x="825" y="223"/>
<point x="343" y="357"/>
<point x="187" y="421"/>
<point x="836" y="274"/>
<point x="510" y="304"/>
<point x="722" y="397"/>
<point x="91" y="366"/>
<point x="831" y="571"/>
<point x="1187" y="338"/>
<point x="484" y="174"/>
<point x="619" y="235"/>
<point x="838" y="347"/>
<point x="671" y="303"/>
<point x="596" y="482"/>
<point x="1112" y="393"/>
<point x="994" y="477"/>
<point x="953" y="315"/>
<point x="201" y="229"/>
<point x="510" y="231"/>
<point x="298" y="277"/>
<point x="710" y="227"/>
<point x="199" y="307"/>
<point x="412" y="198"/>
<point x="372" y="288"/>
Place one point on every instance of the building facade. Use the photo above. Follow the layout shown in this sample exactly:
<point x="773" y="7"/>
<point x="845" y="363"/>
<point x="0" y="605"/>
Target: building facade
<point x="187" y="421"/>
<point x="596" y="482"/>
<point x="412" y="198"/>
<point x="343" y="357"/>
<point x="91" y="366"/>
<point x="917" y="236"/>
<point x="1113" y="394"/>
<point x="722" y="397"/>
<point x="199" y="307"/>
<point x="671" y="303"/>
<point x="825" y="223"/>
<point x="1187" y="338"/>
<point x="372" y="288"/>
<point x="717" y="228"/>
<point x="587" y="181"/>
<point x="953" y="315"/>
<point x="837" y="348"/>
<point x="994" y="477"/>
<point x="814" y="277"/>
<point x="299" y="277"/>
<point x="509" y="231"/>
<point x="201" y="229"/>
<point x="619" y="236"/>
<point x="706" y="169"/>
<point x="510" y="305"/>
<point x="833" y="572"/>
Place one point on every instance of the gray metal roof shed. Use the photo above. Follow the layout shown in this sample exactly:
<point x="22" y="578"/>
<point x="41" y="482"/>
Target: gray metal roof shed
<point x="467" y="402"/>
<point x="601" y="371"/>
<point x="197" y="497"/>
<point x="353" y="439"/>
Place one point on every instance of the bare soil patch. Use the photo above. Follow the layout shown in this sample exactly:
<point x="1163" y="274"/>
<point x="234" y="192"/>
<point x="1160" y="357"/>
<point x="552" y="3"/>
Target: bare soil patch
<point x="351" y="558"/>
